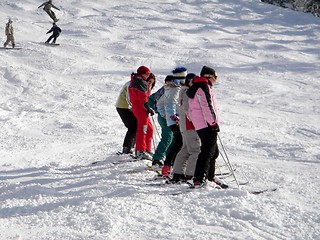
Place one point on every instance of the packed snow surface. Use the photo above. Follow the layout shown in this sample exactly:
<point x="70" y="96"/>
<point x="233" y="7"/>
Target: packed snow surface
<point x="57" y="116"/>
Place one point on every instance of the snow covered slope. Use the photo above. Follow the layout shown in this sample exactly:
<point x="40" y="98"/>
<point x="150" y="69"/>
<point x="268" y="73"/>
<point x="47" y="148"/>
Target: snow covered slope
<point x="57" y="116"/>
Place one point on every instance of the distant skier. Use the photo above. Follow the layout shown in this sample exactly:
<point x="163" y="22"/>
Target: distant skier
<point x="55" y="33"/>
<point x="47" y="7"/>
<point x="9" y="33"/>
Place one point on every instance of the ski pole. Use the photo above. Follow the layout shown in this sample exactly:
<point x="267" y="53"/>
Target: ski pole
<point x="155" y="126"/>
<point x="228" y="163"/>
<point x="153" y="137"/>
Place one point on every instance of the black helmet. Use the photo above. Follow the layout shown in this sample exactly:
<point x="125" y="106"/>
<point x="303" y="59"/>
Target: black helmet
<point x="189" y="78"/>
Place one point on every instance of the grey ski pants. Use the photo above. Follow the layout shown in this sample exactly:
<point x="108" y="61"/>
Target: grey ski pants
<point x="186" y="159"/>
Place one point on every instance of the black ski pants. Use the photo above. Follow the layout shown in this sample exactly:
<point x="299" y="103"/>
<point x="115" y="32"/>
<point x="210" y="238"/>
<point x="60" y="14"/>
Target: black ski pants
<point x="175" y="145"/>
<point x="130" y="121"/>
<point x="54" y="37"/>
<point x="209" y="152"/>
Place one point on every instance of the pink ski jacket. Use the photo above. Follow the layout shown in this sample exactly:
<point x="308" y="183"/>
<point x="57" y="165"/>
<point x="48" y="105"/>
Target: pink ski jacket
<point x="202" y="109"/>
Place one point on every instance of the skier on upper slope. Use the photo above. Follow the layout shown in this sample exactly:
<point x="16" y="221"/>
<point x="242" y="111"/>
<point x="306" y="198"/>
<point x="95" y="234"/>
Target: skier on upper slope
<point x="9" y="33"/>
<point x="47" y="7"/>
<point x="55" y="33"/>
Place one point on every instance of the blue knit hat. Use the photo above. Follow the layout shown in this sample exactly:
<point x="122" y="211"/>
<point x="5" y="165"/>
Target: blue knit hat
<point x="179" y="73"/>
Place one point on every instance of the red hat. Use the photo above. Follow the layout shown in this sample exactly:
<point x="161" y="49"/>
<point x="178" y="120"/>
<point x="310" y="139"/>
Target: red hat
<point x="143" y="70"/>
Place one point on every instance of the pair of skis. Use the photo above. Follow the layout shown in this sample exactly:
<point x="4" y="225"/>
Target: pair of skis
<point x="188" y="188"/>
<point x="132" y="158"/>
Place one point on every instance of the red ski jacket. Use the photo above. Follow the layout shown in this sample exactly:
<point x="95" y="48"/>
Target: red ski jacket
<point x="139" y="91"/>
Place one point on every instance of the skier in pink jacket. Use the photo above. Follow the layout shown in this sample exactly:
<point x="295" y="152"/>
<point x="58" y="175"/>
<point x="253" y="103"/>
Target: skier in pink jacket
<point x="204" y="116"/>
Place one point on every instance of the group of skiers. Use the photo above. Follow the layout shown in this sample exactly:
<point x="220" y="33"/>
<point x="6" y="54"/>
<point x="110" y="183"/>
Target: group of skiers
<point x="55" y="30"/>
<point x="188" y="117"/>
<point x="187" y="114"/>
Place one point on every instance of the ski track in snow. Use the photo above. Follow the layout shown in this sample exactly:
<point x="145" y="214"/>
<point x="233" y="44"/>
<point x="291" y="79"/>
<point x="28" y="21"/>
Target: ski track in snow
<point x="57" y="116"/>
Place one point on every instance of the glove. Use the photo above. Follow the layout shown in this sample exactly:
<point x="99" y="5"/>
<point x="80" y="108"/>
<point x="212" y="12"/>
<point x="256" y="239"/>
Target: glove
<point x="149" y="109"/>
<point x="216" y="127"/>
<point x="175" y="118"/>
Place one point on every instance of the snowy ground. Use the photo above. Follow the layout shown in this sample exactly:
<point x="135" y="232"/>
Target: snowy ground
<point x="57" y="116"/>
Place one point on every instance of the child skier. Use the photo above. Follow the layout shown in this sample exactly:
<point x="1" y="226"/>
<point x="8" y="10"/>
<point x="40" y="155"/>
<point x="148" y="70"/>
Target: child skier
<point x="123" y="107"/>
<point x="139" y="91"/>
<point x="185" y="162"/>
<point x="171" y="104"/>
<point x="204" y="116"/>
<point x="166" y="134"/>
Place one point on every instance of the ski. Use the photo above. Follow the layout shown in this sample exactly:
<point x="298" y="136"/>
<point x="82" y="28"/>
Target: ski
<point x="257" y="192"/>
<point x="11" y="48"/>
<point x="116" y="163"/>
<point x="244" y="183"/>
<point x="126" y="161"/>
<point x="156" y="178"/>
<point x="131" y="155"/>
<point x="190" y="189"/>
<point x="150" y="168"/>
<point x="133" y="159"/>
<point x="223" y="174"/>
<point x="126" y="154"/>
<point x="157" y="184"/>
<point x="142" y="170"/>
<point x="52" y="44"/>
<point x="178" y="193"/>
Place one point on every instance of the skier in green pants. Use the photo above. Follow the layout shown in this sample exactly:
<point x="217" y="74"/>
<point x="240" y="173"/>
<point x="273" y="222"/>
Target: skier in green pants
<point x="166" y="134"/>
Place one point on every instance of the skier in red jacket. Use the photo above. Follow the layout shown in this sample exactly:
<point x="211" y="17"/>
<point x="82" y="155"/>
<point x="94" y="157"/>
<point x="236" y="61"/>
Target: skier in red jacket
<point x="139" y="91"/>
